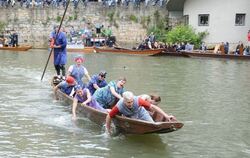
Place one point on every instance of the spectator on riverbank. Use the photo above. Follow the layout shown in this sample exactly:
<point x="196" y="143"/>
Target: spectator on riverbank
<point x="203" y="47"/>
<point x="239" y="48"/>
<point x="226" y="48"/>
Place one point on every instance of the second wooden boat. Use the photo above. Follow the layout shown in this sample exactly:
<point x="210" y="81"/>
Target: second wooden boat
<point x="80" y="49"/>
<point x="128" y="51"/>
<point x="216" y="55"/>
<point x="18" y="48"/>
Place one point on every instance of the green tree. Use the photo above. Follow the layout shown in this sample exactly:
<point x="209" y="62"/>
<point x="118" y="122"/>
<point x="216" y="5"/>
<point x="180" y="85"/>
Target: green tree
<point x="185" y="33"/>
<point x="159" y="27"/>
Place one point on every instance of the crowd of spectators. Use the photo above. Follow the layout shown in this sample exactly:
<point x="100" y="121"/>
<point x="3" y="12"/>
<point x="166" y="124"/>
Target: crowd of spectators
<point x="76" y="3"/>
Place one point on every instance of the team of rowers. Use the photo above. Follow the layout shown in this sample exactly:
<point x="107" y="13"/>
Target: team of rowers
<point x="107" y="97"/>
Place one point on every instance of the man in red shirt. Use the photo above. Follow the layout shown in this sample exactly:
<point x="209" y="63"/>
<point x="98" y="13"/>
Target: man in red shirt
<point x="134" y="107"/>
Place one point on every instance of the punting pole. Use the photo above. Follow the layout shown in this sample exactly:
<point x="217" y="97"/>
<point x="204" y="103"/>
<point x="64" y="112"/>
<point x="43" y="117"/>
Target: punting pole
<point x="51" y="50"/>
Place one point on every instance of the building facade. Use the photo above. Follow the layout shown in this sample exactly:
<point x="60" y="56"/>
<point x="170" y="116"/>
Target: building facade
<point x="224" y="20"/>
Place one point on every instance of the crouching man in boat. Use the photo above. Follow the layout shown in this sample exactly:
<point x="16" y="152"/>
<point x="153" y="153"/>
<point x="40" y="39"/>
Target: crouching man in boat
<point x="134" y="107"/>
<point x="66" y="86"/>
<point x="109" y="95"/>
<point x="83" y="96"/>
<point x="97" y="81"/>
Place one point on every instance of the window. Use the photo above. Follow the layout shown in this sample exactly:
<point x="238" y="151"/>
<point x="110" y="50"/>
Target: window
<point x="186" y="19"/>
<point x="240" y="19"/>
<point x="203" y="19"/>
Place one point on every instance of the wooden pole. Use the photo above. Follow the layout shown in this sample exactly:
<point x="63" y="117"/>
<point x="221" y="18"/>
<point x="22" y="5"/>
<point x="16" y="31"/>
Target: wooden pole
<point x="51" y="50"/>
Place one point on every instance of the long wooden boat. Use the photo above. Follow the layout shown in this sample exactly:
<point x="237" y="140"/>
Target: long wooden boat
<point x="80" y="49"/>
<point x="123" y="124"/>
<point x="216" y="55"/>
<point x="173" y="54"/>
<point x="128" y="51"/>
<point x="18" y="48"/>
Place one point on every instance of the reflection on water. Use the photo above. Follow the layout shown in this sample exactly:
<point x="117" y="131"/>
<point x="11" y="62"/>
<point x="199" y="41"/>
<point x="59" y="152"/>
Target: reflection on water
<point x="210" y="96"/>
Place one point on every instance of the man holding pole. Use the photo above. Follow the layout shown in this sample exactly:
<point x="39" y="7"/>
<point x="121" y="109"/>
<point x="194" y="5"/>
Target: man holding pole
<point x="59" y="44"/>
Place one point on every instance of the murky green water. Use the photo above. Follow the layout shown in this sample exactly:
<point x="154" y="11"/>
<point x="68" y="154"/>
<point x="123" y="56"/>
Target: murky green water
<point x="210" y="96"/>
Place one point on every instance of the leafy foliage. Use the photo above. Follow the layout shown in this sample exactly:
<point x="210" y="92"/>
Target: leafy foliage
<point x="185" y="33"/>
<point x="145" y="21"/>
<point x="160" y="27"/>
<point x="159" y="33"/>
<point x="133" y="18"/>
<point x="111" y="16"/>
<point x="58" y="18"/>
<point x="2" y="26"/>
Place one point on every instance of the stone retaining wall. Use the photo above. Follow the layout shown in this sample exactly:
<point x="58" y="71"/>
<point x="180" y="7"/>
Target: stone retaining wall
<point x="35" y="24"/>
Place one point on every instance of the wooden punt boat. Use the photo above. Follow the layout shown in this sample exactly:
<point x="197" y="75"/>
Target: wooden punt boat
<point x="216" y="55"/>
<point x="128" y="51"/>
<point x="173" y="54"/>
<point x="123" y="124"/>
<point x="80" y="49"/>
<point x="18" y="48"/>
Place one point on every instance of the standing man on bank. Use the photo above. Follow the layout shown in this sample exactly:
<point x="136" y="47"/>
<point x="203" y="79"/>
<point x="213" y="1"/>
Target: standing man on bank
<point x="59" y="43"/>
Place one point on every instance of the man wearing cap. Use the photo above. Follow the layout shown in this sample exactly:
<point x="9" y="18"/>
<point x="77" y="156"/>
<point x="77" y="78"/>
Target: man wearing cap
<point x="66" y="86"/>
<point x="78" y="71"/>
<point x="59" y="44"/>
<point x="97" y="81"/>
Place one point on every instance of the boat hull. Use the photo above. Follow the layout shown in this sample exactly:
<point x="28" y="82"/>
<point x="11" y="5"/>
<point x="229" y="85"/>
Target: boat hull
<point x="123" y="124"/>
<point x="214" y="55"/>
<point x="81" y="50"/>
<point x="128" y="51"/>
<point x="174" y="54"/>
<point x="19" y="48"/>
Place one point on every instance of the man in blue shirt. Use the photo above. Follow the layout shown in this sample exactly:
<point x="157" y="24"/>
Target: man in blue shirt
<point x="97" y="81"/>
<point x="59" y="44"/>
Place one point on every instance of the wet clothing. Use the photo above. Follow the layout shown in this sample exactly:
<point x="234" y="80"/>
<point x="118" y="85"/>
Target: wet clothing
<point x="95" y="80"/>
<point x="137" y="111"/>
<point x="65" y="87"/>
<point x="78" y="72"/>
<point x="93" y="103"/>
<point x="104" y="96"/>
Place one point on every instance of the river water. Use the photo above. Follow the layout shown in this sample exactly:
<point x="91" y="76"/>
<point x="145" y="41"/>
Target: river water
<point x="210" y="96"/>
